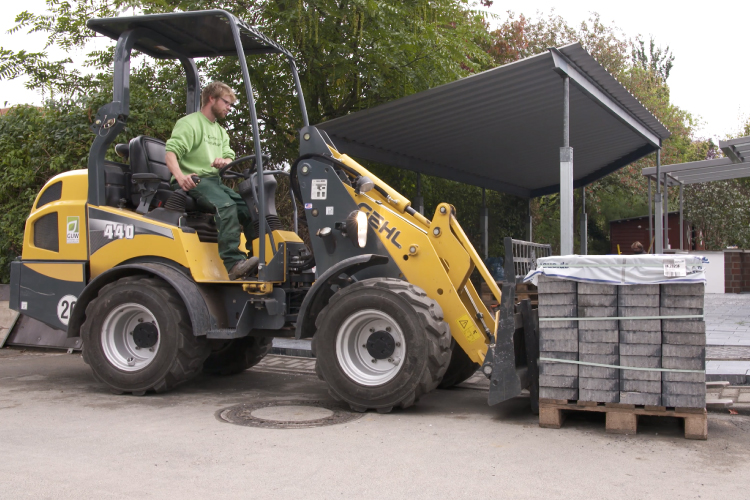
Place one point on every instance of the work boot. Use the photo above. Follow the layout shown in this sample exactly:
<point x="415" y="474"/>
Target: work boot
<point x="243" y="268"/>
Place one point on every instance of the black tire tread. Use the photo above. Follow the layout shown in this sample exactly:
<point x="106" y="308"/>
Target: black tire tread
<point x="460" y="368"/>
<point x="438" y="336"/>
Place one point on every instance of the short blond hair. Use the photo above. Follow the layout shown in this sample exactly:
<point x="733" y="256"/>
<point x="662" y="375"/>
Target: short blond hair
<point x="216" y="90"/>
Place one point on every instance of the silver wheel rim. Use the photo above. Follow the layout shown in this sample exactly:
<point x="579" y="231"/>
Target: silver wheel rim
<point x="117" y="337"/>
<point x="352" y="353"/>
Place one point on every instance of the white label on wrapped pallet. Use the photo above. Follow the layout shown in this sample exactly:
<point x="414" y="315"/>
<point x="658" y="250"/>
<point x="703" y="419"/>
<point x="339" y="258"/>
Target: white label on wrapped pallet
<point x="674" y="268"/>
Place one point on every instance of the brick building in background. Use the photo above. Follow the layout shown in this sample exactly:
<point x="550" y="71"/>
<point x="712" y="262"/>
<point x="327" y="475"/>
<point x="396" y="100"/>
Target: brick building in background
<point x="625" y="232"/>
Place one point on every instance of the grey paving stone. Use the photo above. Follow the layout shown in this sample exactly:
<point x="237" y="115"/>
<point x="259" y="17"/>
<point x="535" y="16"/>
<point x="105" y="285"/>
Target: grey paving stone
<point x="640" y="398"/>
<point x="684" y="388"/>
<point x="558" y="333"/>
<point x="683" y="326"/>
<point x="683" y="377"/>
<point x="682" y="311"/>
<point x="596" y="289"/>
<point x="683" y="289"/>
<point x="553" y="285"/>
<point x="598" y="348"/>
<point x="599" y="396"/>
<point x="638" y="311"/>
<point x="564" y="382"/>
<point x="697" y="339"/>
<point x="557" y="393"/>
<point x="603" y="359"/>
<point x="650" y="386"/>
<point x="572" y="356"/>
<point x="610" y="336"/>
<point x="684" y="351"/>
<point x="599" y="384"/>
<point x="638" y="289"/>
<point x="596" y="312"/>
<point x="683" y="363"/>
<point x="629" y="337"/>
<point x="597" y="372"/>
<point x="691" y="301"/>
<point x="568" y="311"/>
<point x="559" y="345"/>
<point x="597" y="300"/>
<point x="683" y="401"/>
<point x="557" y="324"/>
<point x="638" y="301"/>
<point x="565" y="369"/>
<point x="558" y="299"/>
<point x="598" y="325"/>
<point x="652" y="376"/>
<point x="640" y="325"/>
<point x="640" y="349"/>
<point x="641" y="361"/>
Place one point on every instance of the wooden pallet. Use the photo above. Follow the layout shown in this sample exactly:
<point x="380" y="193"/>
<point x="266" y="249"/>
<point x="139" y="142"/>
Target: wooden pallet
<point x="623" y="418"/>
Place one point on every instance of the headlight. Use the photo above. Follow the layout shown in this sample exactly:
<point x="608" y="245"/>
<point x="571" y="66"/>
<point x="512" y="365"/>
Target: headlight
<point x="356" y="228"/>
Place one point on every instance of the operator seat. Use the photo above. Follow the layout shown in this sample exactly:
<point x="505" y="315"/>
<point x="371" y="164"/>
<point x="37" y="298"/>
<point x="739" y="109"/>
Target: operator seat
<point x="148" y="165"/>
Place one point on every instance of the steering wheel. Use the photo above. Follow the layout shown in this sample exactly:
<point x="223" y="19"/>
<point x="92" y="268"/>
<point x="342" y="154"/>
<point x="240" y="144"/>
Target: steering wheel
<point x="226" y="174"/>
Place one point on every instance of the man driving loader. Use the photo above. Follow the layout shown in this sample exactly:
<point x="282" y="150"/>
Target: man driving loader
<point x="200" y="146"/>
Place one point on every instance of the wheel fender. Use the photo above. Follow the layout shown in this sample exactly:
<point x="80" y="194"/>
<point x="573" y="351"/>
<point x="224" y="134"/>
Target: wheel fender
<point x="200" y="318"/>
<point x="319" y="294"/>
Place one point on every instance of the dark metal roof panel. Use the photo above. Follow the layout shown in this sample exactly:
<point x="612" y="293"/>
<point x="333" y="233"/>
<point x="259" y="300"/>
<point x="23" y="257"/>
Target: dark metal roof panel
<point x="205" y="33"/>
<point x="501" y="129"/>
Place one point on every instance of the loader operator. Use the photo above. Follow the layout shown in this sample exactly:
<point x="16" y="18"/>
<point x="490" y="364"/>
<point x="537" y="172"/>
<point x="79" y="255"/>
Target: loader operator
<point x="200" y="146"/>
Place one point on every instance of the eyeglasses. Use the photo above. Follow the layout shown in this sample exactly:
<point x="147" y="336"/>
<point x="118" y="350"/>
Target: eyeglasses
<point x="230" y="104"/>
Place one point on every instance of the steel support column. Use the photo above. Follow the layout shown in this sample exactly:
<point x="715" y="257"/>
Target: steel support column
<point x="566" y="178"/>
<point x="658" y="218"/>
<point x="584" y="224"/>
<point x="484" y="224"/>
<point x="682" y="222"/>
<point x="530" y="225"/>
<point x="666" y="212"/>
<point x="649" y="243"/>
<point x="418" y="200"/>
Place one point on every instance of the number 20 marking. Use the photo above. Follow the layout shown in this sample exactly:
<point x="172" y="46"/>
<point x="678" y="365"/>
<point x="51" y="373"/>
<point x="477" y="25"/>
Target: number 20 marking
<point x="119" y="231"/>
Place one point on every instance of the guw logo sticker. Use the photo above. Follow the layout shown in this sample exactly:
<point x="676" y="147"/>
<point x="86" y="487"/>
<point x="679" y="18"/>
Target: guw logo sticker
<point x="73" y="229"/>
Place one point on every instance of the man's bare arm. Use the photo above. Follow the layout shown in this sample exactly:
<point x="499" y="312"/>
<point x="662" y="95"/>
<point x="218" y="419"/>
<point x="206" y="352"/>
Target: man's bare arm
<point x="185" y="182"/>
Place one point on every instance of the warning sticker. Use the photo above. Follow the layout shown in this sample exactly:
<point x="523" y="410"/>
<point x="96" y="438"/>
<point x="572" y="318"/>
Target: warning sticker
<point x="319" y="189"/>
<point x="466" y="325"/>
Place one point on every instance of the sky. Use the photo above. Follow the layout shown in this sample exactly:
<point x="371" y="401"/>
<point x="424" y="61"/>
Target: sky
<point x="709" y="79"/>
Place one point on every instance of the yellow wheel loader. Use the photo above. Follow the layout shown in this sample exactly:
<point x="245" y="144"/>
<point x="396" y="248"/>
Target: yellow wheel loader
<point x="112" y="254"/>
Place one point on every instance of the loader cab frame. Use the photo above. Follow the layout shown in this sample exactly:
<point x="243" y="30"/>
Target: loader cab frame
<point x="182" y="36"/>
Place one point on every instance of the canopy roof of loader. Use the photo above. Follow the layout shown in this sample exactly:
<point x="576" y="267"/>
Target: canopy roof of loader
<point x="197" y="34"/>
<point x="503" y="128"/>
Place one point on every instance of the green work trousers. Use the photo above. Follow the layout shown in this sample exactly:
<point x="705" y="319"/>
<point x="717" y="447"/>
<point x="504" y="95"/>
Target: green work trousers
<point x="232" y="215"/>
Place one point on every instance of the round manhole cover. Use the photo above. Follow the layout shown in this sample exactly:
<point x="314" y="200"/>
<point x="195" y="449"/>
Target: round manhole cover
<point x="286" y="414"/>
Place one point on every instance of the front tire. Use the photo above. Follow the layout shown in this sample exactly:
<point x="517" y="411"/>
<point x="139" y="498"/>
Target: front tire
<point x="137" y="337"/>
<point x="381" y="343"/>
<point x="460" y="368"/>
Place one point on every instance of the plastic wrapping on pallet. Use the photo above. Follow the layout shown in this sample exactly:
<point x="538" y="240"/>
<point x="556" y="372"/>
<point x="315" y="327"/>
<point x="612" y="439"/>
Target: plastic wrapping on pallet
<point x="622" y="269"/>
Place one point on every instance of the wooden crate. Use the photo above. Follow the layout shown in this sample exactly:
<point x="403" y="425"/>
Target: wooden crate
<point x="623" y="418"/>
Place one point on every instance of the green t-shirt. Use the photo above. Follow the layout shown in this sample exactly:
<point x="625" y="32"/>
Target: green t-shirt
<point x="197" y="142"/>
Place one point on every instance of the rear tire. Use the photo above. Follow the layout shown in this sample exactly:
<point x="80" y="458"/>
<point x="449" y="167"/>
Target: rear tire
<point x="137" y="337"/>
<point x="237" y="355"/>
<point x="389" y="321"/>
<point x="460" y="368"/>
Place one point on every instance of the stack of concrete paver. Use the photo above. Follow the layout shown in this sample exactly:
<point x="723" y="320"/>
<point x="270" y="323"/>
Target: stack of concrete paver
<point x="558" y="339"/>
<point x="598" y="343"/>
<point x="640" y="344"/>
<point x="684" y="346"/>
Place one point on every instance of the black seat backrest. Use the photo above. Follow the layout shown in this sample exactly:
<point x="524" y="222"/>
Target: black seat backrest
<point x="148" y="156"/>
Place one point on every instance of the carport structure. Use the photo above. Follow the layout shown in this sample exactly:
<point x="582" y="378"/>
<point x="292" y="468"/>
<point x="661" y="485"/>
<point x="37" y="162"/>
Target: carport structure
<point x="512" y="129"/>
<point x="734" y="165"/>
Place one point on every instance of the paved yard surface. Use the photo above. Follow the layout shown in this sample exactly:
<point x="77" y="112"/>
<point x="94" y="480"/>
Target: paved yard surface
<point x="65" y="436"/>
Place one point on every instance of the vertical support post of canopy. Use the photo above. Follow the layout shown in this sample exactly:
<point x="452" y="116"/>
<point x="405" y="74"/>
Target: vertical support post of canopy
<point x="682" y="222"/>
<point x="666" y="212"/>
<point x="650" y="218"/>
<point x="566" y="177"/>
<point x="658" y="218"/>
<point x="584" y="224"/>
<point x="530" y="226"/>
<point x="484" y="224"/>
<point x="418" y="200"/>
